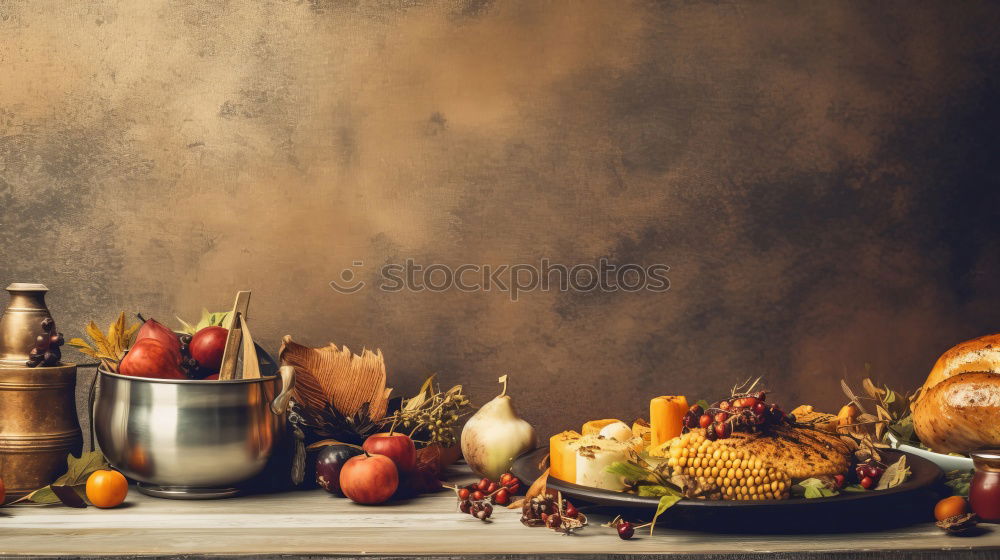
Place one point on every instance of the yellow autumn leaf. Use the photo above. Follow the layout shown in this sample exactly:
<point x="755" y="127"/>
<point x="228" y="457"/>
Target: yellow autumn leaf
<point x="95" y="334"/>
<point x="83" y="347"/>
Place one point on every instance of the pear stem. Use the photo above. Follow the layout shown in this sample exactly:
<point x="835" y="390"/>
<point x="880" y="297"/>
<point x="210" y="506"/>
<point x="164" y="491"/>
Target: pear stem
<point x="503" y="380"/>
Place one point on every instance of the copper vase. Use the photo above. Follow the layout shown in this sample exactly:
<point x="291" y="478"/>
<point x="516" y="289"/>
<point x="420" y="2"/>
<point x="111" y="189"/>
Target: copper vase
<point x="38" y="421"/>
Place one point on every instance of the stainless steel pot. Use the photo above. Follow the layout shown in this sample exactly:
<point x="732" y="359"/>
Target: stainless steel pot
<point x="190" y="439"/>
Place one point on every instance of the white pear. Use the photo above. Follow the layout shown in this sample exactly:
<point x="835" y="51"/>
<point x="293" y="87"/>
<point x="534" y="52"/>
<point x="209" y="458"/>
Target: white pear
<point x="495" y="435"/>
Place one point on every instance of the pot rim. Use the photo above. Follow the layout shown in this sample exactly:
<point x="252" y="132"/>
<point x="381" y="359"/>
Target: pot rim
<point x="102" y="371"/>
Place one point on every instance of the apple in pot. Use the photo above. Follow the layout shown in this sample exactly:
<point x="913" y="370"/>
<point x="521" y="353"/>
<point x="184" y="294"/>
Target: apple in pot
<point x="369" y="479"/>
<point x="398" y="447"/>
<point x="151" y="329"/>
<point x="150" y="358"/>
<point x="207" y="346"/>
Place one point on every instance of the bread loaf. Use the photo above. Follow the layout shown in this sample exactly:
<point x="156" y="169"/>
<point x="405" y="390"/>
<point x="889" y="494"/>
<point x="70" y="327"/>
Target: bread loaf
<point x="958" y="409"/>
<point x="978" y="354"/>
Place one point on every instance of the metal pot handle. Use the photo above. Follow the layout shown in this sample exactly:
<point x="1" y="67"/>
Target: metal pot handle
<point x="280" y="404"/>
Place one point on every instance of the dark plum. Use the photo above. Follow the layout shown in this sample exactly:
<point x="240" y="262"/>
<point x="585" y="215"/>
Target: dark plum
<point x="328" y="464"/>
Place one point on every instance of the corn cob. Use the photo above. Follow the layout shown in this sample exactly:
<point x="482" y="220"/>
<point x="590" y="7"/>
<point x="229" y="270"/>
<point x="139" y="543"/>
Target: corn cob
<point x="736" y="474"/>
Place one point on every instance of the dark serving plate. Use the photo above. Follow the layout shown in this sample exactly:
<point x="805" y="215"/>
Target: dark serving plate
<point x="902" y="504"/>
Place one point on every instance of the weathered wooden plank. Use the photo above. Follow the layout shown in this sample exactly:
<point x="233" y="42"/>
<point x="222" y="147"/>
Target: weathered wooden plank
<point x="315" y="523"/>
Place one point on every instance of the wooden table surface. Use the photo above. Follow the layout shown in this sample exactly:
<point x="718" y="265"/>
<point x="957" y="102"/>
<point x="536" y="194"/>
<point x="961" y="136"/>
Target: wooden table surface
<point x="313" y="523"/>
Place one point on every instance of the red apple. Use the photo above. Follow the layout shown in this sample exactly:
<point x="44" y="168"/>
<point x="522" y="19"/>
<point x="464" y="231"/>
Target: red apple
<point x="153" y="330"/>
<point x="397" y="447"/>
<point x="149" y="358"/>
<point x="369" y="479"/>
<point x="207" y="346"/>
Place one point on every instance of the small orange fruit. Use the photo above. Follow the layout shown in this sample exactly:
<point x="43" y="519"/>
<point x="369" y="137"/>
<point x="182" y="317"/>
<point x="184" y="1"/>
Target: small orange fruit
<point x="950" y="507"/>
<point x="106" y="488"/>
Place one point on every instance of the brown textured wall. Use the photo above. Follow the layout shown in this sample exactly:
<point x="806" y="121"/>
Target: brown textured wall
<point x="820" y="177"/>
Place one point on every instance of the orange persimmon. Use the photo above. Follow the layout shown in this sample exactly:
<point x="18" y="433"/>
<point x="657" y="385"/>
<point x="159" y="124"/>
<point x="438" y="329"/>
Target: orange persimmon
<point x="106" y="488"/>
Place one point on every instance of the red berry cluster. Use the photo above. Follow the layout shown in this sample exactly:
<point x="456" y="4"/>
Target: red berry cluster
<point x="746" y="413"/>
<point x="869" y="473"/>
<point x="477" y="499"/>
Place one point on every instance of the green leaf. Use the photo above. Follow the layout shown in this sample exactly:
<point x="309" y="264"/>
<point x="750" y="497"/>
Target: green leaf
<point x="78" y="469"/>
<point x="959" y="481"/>
<point x="703" y="404"/>
<point x="855" y="488"/>
<point x="819" y="492"/>
<point x="630" y="471"/>
<point x="666" y="502"/>
<point x="43" y="496"/>
<point x="653" y="490"/>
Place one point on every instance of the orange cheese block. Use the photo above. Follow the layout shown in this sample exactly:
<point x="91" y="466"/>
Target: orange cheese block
<point x="562" y="455"/>
<point x="666" y="418"/>
<point x="594" y="427"/>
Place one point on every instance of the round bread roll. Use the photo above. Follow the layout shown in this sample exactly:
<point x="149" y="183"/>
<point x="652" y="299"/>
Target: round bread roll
<point x="958" y="409"/>
<point x="960" y="414"/>
<point x="978" y="354"/>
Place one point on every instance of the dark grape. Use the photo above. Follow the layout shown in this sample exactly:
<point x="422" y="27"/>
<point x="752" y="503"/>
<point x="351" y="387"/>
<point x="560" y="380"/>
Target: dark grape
<point x="47" y="324"/>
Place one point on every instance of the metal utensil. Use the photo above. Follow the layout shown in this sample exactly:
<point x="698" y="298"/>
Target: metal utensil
<point x="190" y="439"/>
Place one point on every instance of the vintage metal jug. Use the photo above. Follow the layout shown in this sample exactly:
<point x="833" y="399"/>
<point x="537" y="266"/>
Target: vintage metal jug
<point x="38" y="421"/>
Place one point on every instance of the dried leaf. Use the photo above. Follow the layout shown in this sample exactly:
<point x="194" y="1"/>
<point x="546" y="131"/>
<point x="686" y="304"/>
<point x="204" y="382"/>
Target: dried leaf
<point x="870" y="388"/>
<point x="894" y="475"/>
<point x="83" y="347"/>
<point x="100" y="342"/>
<point x="538" y="486"/>
<point x="335" y="376"/>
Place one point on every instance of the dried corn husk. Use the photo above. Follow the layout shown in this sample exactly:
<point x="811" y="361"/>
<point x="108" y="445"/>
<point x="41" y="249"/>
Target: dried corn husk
<point x="335" y="376"/>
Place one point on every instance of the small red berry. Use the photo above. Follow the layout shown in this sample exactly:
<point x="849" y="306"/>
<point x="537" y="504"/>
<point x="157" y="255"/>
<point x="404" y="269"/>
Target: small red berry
<point x="867" y="482"/>
<point x="463" y="493"/>
<point x="625" y="530"/>
<point x="502" y="497"/>
<point x="571" y="511"/>
<point x="493" y="487"/>
<point x="477" y="495"/>
<point x="483" y="485"/>
<point x="839" y="480"/>
<point x="723" y="430"/>
<point x="505" y="478"/>
<point x="721" y="416"/>
<point x="705" y="421"/>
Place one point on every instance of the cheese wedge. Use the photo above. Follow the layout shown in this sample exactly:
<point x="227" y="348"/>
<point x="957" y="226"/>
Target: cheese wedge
<point x="640" y="429"/>
<point x="666" y="418"/>
<point x="593" y="455"/>
<point x="594" y="427"/>
<point x="562" y="455"/>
